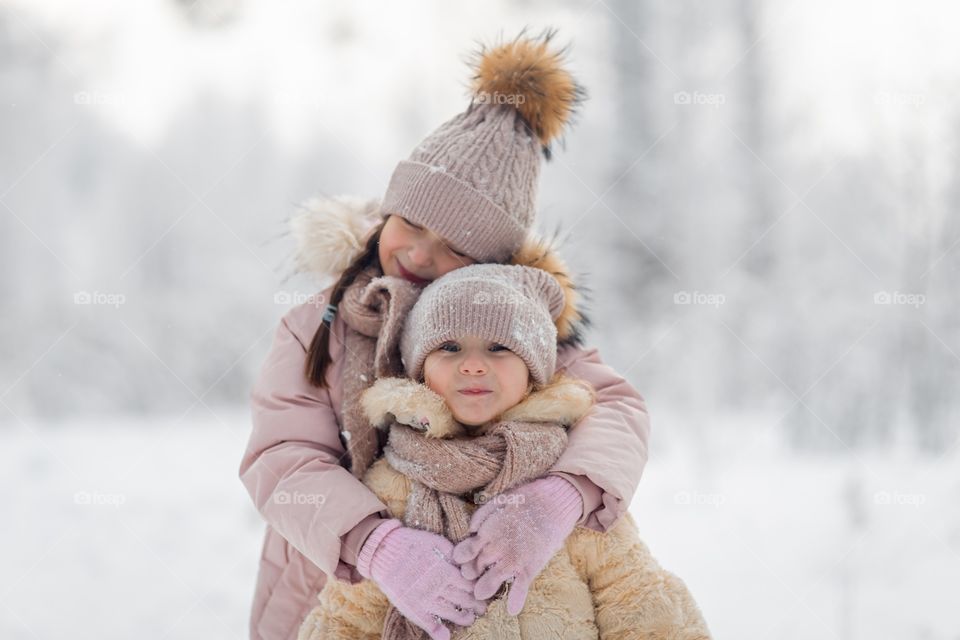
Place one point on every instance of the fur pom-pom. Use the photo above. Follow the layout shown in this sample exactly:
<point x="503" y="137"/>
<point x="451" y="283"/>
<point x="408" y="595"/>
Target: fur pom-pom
<point x="331" y="232"/>
<point x="527" y="75"/>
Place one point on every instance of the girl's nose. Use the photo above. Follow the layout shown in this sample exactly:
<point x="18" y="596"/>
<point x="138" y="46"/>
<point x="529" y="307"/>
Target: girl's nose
<point x="473" y="366"/>
<point x="419" y="255"/>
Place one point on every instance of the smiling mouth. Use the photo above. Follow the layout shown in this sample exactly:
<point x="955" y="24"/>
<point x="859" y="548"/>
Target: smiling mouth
<point x="475" y="392"/>
<point x="409" y="276"/>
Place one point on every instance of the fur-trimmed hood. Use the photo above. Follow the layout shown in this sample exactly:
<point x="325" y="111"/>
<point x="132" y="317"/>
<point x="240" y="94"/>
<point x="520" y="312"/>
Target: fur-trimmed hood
<point x="330" y="232"/>
<point x="562" y="401"/>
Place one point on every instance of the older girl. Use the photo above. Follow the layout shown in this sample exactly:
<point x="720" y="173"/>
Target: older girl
<point x="466" y="194"/>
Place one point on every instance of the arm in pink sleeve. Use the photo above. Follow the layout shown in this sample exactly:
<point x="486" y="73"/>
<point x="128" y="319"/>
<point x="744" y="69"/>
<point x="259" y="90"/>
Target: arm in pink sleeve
<point x="292" y="464"/>
<point x="591" y="494"/>
<point x="608" y="447"/>
<point x="353" y="541"/>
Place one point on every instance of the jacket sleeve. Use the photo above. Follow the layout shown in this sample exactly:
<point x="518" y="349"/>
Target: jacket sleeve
<point x="608" y="447"/>
<point x="292" y="463"/>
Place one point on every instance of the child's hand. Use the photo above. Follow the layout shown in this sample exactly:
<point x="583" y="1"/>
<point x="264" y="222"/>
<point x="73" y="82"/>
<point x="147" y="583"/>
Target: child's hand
<point x="417" y="419"/>
<point x="423" y="409"/>
<point x="414" y="570"/>
<point x="410" y="403"/>
<point x="516" y="536"/>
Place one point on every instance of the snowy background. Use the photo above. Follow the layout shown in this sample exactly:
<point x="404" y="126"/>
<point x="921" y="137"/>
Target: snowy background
<point x="762" y="197"/>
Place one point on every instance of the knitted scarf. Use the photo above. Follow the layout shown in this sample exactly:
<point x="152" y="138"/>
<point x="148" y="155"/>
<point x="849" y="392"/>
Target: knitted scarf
<point x="373" y="307"/>
<point x="446" y="473"/>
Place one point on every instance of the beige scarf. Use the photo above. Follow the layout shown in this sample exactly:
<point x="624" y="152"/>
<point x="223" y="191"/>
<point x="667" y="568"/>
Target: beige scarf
<point x="446" y="473"/>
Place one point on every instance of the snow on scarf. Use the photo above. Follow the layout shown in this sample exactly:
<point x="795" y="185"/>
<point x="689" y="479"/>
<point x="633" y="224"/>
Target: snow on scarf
<point x="444" y="471"/>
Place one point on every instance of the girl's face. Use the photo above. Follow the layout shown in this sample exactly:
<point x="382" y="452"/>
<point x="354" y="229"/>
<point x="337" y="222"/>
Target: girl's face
<point x="478" y="379"/>
<point x="413" y="252"/>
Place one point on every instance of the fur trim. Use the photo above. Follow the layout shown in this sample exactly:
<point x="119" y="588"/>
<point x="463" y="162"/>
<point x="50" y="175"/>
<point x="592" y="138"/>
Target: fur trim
<point x="409" y="403"/>
<point x="331" y="232"/>
<point x="564" y="400"/>
<point x="543" y="254"/>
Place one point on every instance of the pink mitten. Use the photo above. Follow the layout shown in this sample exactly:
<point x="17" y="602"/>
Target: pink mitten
<point x="516" y="535"/>
<point x="414" y="570"/>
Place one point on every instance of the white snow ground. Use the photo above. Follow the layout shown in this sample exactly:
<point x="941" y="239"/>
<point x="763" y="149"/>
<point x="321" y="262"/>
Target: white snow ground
<point x="124" y="529"/>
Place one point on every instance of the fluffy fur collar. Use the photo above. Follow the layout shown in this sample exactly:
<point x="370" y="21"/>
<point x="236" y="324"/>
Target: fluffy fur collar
<point x="564" y="401"/>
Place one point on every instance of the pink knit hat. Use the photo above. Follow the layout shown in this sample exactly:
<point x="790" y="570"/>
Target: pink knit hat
<point x="510" y="304"/>
<point x="474" y="180"/>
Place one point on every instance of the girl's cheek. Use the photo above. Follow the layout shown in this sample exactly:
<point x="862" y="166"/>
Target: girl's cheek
<point x="386" y="263"/>
<point x="445" y="371"/>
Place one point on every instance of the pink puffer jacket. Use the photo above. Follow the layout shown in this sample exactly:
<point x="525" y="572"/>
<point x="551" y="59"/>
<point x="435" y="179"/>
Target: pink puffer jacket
<point x="292" y="470"/>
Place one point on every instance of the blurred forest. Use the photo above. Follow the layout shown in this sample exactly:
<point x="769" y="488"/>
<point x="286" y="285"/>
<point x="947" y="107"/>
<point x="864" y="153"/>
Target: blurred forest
<point x="761" y="197"/>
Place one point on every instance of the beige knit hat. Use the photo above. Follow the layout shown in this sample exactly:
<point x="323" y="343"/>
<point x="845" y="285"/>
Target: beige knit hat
<point x="474" y="180"/>
<point x="511" y="304"/>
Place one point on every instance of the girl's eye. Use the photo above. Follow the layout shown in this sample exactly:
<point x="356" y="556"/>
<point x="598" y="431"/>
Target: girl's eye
<point x="498" y="347"/>
<point x="450" y="347"/>
<point x="454" y="252"/>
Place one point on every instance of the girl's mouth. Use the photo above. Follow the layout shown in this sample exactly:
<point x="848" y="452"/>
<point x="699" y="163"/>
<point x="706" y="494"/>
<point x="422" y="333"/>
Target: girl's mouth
<point x="409" y="276"/>
<point x="475" y="392"/>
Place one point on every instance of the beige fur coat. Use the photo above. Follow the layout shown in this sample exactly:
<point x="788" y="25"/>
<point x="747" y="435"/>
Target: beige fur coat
<point x="599" y="585"/>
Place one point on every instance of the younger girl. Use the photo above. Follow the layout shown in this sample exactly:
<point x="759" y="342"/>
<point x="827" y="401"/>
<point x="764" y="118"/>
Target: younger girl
<point x="481" y="414"/>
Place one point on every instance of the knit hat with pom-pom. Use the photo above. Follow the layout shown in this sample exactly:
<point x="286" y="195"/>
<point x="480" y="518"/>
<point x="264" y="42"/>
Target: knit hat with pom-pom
<point x="474" y="180"/>
<point x="510" y="304"/>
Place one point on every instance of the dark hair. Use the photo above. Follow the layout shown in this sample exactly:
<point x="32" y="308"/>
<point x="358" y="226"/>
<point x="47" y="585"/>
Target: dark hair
<point x="318" y="355"/>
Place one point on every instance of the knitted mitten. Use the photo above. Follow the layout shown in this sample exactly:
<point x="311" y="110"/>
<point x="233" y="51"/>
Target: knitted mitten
<point x="414" y="570"/>
<point x="517" y="533"/>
